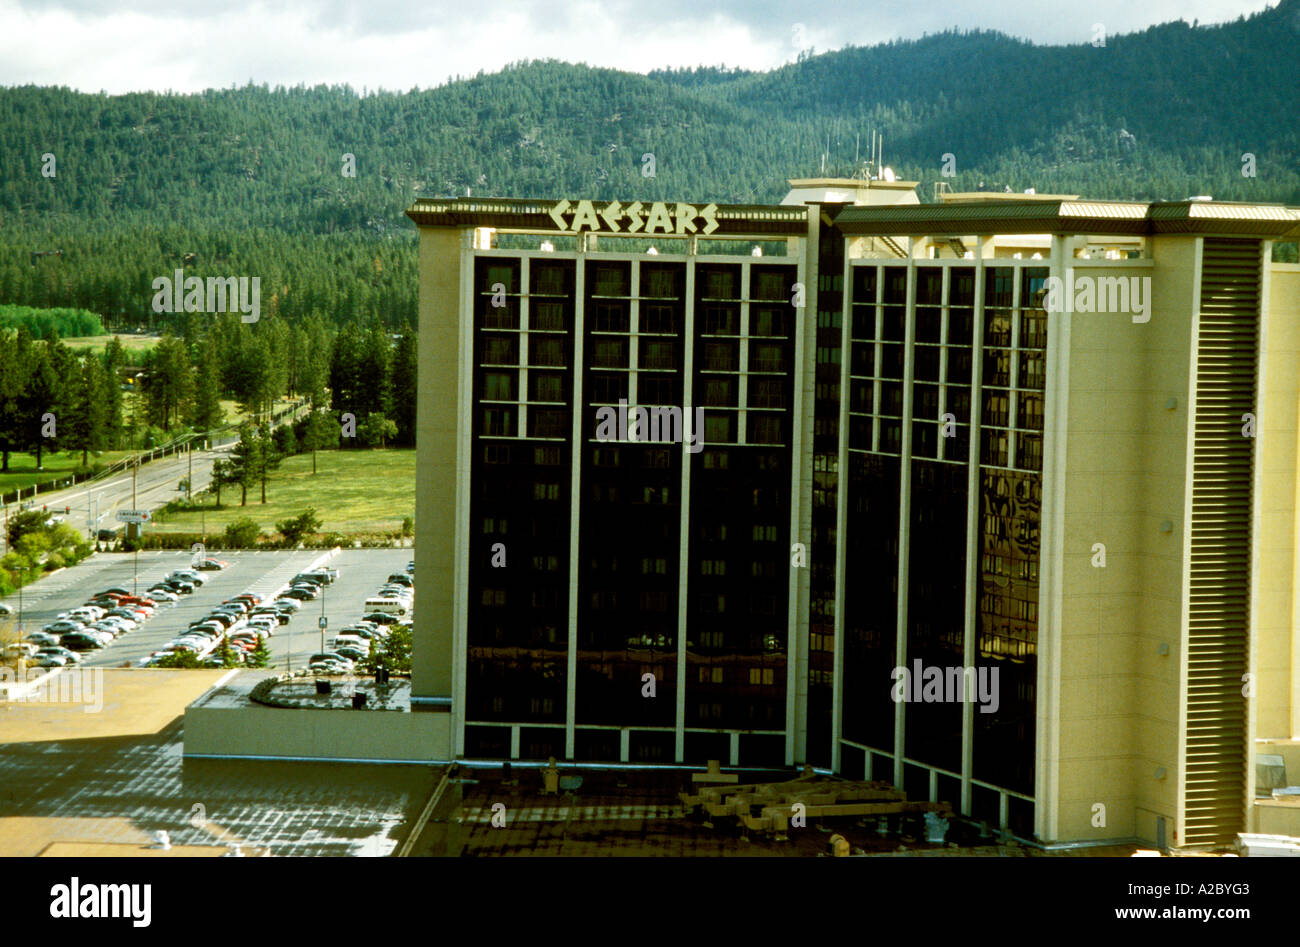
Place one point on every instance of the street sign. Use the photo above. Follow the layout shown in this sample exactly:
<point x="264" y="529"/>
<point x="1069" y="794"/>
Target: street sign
<point x="323" y="622"/>
<point x="133" y="516"/>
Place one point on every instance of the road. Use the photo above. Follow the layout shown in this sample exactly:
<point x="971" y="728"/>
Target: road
<point x="361" y="573"/>
<point x="156" y="483"/>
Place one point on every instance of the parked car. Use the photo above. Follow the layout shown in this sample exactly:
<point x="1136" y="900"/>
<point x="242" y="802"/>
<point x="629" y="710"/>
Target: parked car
<point x="381" y="618"/>
<point x="189" y="575"/>
<point x="42" y="639"/>
<point x="410" y="567"/>
<point x="401" y="578"/>
<point x="106" y="535"/>
<point x="81" y="641"/>
<point x="165" y="595"/>
<point x="211" y="565"/>
<point x="299" y="593"/>
<point x="20" y="649"/>
<point x="5" y="609"/>
<point x="290" y="605"/>
<point x="64" y="626"/>
<point x="116" y="590"/>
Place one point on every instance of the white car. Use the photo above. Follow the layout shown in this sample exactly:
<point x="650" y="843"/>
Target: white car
<point x="189" y="575"/>
<point x="5" y="609"/>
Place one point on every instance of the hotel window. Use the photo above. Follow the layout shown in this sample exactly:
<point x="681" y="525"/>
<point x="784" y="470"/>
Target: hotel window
<point x="546" y="563"/>
<point x="829" y="319"/>
<point x="713" y="567"/>
<point x="654" y="601"/>
<point x="891" y="437"/>
<point x="997" y="328"/>
<point x="764" y="534"/>
<point x="719" y="428"/>
<point x="768" y="357"/>
<point x="611" y="317"/>
<point x="719" y="392"/>
<point x="656" y="389"/>
<point x="548" y="280"/>
<point x="658" y="319"/>
<point x="710" y="675"/>
<point x="1030" y="411"/>
<point x="546" y="456"/>
<point x="891" y="361"/>
<point x="494" y="526"/>
<point x="721" y="320"/>
<point x="715" y="460"/>
<point x="548" y="422"/>
<point x="654" y="566"/>
<point x="658" y="283"/>
<point x="496" y="454"/>
<point x="766" y="393"/>
<point x="501" y="351"/>
<point x="764" y="569"/>
<point x="611" y="281"/>
<point x="826" y="355"/>
<point x="768" y="285"/>
<point x="721" y="357"/>
<point x="547" y="315"/>
<point x="505" y="316"/>
<point x="710" y="639"/>
<point x="764" y="429"/>
<point x="503" y="273"/>
<point x="720" y="284"/>
<point x="1032" y="365"/>
<point x="610" y="353"/>
<point x="996" y="411"/>
<point x="656" y="459"/>
<point x="543" y="351"/>
<point x="499" y="422"/>
<point x="762" y="676"/>
<point x="545" y="386"/>
<point x="656" y="354"/>
<point x="494" y="598"/>
<point x="997" y="369"/>
<point x="499" y="386"/>
<point x="767" y="321"/>
<point x="1033" y="330"/>
<point x="541" y="705"/>
<point x="713" y="604"/>
<point x="546" y="491"/>
<point x="605" y="457"/>
<point x="608" y="388"/>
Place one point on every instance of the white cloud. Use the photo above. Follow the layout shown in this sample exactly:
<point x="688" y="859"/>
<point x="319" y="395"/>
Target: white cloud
<point x="187" y="46"/>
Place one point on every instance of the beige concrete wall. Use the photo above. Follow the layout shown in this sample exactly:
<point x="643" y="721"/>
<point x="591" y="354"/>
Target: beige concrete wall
<point x="1277" y="671"/>
<point x="1125" y="475"/>
<point x="437" y="430"/>
<point x="318" y="734"/>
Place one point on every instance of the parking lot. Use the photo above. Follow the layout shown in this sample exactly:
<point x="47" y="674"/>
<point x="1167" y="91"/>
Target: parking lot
<point x="361" y="572"/>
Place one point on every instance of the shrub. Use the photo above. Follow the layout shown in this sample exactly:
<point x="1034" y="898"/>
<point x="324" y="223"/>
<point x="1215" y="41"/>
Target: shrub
<point x="298" y="527"/>
<point x="243" y="533"/>
<point x="179" y="659"/>
<point x="408" y="526"/>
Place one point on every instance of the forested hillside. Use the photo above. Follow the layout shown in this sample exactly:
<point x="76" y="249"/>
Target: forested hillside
<point x="248" y="181"/>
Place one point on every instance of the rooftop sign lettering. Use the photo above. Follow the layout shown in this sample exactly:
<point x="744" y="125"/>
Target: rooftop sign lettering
<point x="614" y="217"/>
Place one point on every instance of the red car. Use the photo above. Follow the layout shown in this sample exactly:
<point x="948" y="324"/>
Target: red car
<point x="248" y="597"/>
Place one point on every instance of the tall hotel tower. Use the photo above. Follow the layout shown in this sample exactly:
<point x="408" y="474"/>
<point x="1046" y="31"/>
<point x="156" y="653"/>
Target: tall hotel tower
<point x="1049" y="440"/>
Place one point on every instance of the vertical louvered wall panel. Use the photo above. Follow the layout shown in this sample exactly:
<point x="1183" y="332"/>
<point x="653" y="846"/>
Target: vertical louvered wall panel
<point x="1219" y="606"/>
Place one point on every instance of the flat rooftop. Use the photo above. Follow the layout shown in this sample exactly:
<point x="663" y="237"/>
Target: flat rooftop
<point x="103" y="782"/>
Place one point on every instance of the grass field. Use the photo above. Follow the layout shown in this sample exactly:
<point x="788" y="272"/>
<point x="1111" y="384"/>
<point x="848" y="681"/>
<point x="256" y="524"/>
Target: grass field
<point x="353" y="492"/>
<point x="23" y="472"/>
<point x="132" y="343"/>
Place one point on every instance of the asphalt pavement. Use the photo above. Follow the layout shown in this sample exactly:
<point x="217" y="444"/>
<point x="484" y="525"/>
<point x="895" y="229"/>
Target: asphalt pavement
<point x="361" y="573"/>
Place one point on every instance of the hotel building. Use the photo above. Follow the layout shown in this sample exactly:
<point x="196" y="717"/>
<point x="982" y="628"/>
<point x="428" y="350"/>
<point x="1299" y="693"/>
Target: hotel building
<point x="1050" y="439"/>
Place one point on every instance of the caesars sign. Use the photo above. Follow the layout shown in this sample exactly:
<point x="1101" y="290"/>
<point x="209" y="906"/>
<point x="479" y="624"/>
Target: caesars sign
<point x="636" y="217"/>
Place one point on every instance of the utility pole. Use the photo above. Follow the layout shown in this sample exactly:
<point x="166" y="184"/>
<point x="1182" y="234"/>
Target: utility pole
<point x="135" y="577"/>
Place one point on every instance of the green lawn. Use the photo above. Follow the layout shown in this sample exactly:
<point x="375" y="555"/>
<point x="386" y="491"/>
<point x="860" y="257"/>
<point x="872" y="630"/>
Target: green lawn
<point x="353" y="492"/>
<point x="23" y="472"/>
<point x="131" y="342"/>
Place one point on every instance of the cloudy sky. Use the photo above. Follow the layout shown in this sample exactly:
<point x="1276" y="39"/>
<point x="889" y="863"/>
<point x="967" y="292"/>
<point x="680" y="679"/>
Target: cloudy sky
<point x="190" y="45"/>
